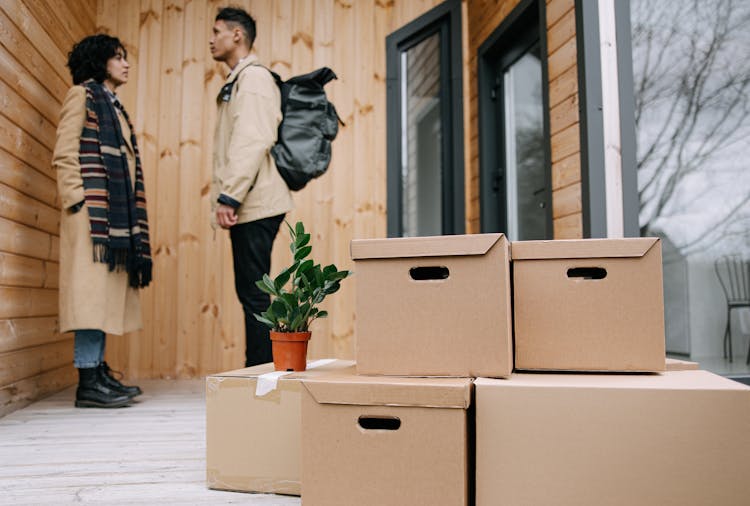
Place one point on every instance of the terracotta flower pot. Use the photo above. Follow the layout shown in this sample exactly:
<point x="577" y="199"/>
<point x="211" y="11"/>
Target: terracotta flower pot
<point x="290" y="350"/>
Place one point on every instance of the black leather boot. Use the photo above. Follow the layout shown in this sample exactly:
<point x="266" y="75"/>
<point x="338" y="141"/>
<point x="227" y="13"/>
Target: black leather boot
<point x="92" y="393"/>
<point x="109" y="379"/>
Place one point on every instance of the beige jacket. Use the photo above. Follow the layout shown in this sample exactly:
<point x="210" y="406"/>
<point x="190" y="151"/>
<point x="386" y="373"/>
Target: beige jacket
<point x="246" y="128"/>
<point x="91" y="297"/>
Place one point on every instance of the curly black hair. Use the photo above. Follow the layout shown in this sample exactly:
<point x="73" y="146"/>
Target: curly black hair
<point x="88" y="58"/>
<point x="239" y="17"/>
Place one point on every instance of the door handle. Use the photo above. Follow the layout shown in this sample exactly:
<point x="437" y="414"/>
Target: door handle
<point x="497" y="179"/>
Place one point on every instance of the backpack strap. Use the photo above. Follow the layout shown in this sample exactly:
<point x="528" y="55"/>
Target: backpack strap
<point x="225" y="94"/>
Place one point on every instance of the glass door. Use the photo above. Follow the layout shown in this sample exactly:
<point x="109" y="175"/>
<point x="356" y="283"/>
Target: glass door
<point x="514" y="160"/>
<point x="523" y="138"/>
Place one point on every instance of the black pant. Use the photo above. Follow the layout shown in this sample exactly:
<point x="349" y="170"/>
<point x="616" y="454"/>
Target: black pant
<point x="251" y="250"/>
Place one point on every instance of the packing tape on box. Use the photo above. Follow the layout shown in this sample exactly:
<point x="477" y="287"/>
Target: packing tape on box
<point x="267" y="382"/>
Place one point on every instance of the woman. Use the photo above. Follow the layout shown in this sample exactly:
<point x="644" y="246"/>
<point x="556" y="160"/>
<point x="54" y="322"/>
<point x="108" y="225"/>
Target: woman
<point x="104" y="247"/>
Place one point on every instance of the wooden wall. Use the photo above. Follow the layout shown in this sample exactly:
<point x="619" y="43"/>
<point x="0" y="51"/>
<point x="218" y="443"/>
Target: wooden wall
<point x="35" y="37"/>
<point x="194" y="322"/>
<point x="484" y="17"/>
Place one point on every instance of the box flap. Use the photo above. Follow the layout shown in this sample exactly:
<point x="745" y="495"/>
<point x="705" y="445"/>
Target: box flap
<point x="582" y="248"/>
<point x="345" y="387"/>
<point x="437" y="246"/>
<point x="246" y="372"/>
<point x="671" y="380"/>
<point x="257" y="370"/>
<point x="673" y="364"/>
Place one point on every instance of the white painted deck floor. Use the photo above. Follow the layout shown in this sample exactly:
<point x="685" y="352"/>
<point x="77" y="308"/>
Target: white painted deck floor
<point x="152" y="452"/>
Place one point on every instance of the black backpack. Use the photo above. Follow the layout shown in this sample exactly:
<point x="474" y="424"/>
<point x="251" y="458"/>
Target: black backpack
<point x="308" y="126"/>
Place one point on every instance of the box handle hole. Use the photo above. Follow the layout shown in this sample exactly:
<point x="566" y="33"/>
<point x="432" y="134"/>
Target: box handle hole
<point x="379" y="422"/>
<point x="587" y="273"/>
<point x="428" y="273"/>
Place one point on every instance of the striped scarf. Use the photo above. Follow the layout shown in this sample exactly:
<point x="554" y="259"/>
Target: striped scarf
<point x="117" y="216"/>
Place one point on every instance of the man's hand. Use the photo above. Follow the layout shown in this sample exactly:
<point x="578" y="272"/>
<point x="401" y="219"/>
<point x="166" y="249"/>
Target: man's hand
<point x="226" y="216"/>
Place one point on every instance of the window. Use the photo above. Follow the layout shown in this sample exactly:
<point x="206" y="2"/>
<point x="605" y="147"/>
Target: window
<point x="514" y="154"/>
<point x="425" y="133"/>
<point x="692" y="118"/>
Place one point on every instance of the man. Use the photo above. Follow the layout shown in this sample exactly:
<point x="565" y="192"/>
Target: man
<point x="249" y="197"/>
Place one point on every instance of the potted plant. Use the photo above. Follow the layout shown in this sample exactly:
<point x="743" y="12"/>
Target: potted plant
<point x="297" y="291"/>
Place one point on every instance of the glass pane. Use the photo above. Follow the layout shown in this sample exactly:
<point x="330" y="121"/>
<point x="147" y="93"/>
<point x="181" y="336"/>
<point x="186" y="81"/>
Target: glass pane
<point x="692" y="97"/>
<point x="421" y="165"/>
<point x="524" y="148"/>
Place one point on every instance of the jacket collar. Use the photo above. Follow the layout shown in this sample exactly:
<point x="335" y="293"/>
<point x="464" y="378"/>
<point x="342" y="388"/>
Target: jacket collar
<point x="248" y="60"/>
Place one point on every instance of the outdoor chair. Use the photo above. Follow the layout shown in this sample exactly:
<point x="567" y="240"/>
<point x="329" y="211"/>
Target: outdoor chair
<point x="734" y="275"/>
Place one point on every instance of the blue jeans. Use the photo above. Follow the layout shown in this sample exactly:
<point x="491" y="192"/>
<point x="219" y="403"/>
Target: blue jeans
<point x="88" y="348"/>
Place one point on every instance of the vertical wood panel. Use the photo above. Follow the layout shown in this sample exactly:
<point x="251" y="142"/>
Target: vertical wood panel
<point x="188" y="246"/>
<point x="35" y="37"/>
<point x="193" y="321"/>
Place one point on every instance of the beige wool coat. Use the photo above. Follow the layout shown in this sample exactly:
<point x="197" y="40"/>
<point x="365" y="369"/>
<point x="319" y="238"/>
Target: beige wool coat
<point x="91" y="297"/>
<point x="246" y="129"/>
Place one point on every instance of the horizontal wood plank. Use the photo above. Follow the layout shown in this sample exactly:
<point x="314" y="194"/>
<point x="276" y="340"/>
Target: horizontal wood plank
<point x="568" y="227"/>
<point x="27" y="86"/>
<point x="24" y="147"/>
<point x="563" y="86"/>
<point x="566" y="171"/>
<point x="562" y="59"/>
<point x="566" y="201"/>
<point x="23" y="392"/>
<point x="22" y="240"/>
<point x="562" y="31"/>
<point x="29" y="362"/>
<point x="26" y="117"/>
<point x="50" y="20"/>
<point x="564" y="114"/>
<point x="16" y="270"/>
<point x="69" y="15"/>
<point x="27" y="180"/>
<point x="38" y="36"/>
<point x="18" y="207"/>
<point x="17" y="333"/>
<point x="556" y="9"/>
<point x="565" y="143"/>
<point x="23" y="302"/>
<point x="17" y="43"/>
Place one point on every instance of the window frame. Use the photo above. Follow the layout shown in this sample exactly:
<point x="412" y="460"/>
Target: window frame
<point x="504" y="44"/>
<point x="446" y="20"/>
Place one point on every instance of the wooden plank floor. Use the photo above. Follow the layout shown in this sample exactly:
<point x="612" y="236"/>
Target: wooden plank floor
<point x="151" y="452"/>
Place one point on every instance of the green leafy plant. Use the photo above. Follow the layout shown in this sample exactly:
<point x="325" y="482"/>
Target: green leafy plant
<point x="300" y="288"/>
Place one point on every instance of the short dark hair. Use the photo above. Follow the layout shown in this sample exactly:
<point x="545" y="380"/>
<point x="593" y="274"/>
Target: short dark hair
<point x="240" y="17"/>
<point x="88" y="58"/>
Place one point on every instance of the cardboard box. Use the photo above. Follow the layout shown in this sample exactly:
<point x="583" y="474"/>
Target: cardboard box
<point x="370" y="440"/>
<point x="589" y="305"/>
<point x="678" y="438"/>
<point x="673" y="364"/>
<point x="433" y="306"/>
<point x="253" y="441"/>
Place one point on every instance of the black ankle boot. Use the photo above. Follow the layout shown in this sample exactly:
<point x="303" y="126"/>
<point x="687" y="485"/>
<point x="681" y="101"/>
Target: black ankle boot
<point x="108" y="379"/>
<point x="92" y="393"/>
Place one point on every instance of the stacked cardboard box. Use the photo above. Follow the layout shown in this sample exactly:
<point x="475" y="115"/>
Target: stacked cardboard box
<point x="253" y="427"/>
<point x="676" y="438"/>
<point x="554" y="391"/>
<point x="434" y="306"/>
<point x="385" y="441"/>
<point x="588" y="305"/>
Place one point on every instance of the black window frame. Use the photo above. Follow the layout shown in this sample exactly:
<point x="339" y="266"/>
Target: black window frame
<point x="446" y="20"/>
<point x="513" y="31"/>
